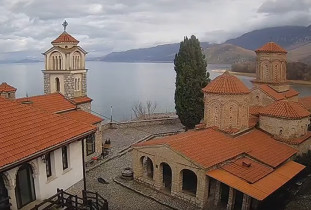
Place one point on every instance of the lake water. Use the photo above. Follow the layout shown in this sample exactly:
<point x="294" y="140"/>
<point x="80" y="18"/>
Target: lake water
<point x="120" y="85"/>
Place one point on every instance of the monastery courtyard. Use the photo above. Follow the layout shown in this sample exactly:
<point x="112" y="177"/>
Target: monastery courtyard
<point x="118" y="196"/>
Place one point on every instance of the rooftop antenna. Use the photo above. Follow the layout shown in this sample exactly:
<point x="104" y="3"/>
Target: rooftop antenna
<point x="65" y="24"/>
<point x="111" y="114"/>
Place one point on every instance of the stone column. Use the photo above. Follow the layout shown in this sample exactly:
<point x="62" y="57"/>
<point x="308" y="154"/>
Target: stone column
<point x="217" y="193"/>
<point x="231" y="199"/>
<point x="157" y="176"/>
<point x="175" y="190"/>
<point x="202" y="189"/>
<point x="246" y="205"/>
<point x="137" y="168"/>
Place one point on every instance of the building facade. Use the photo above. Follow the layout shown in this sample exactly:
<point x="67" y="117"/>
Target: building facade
<point x="242" y="152"/>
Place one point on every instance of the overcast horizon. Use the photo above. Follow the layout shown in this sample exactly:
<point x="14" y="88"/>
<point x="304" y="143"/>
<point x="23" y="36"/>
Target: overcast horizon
<point x="101" y="26"/>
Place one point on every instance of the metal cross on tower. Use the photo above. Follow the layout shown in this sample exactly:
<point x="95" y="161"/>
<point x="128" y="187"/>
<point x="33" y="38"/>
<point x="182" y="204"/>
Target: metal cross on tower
<point x="65" y="24"/>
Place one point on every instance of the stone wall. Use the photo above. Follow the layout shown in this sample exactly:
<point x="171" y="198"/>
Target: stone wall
<point x="84" y="85"/>
<point x="85" y="107"/>
<point x="259" y="98"/>
<point x="69" y="85"/>
<point x="46" y="78"/>
<point x="177" y="163"/>
<point x="132" y="124"/>
<point x="284" y="128"/>
<point x="226" y="111"/>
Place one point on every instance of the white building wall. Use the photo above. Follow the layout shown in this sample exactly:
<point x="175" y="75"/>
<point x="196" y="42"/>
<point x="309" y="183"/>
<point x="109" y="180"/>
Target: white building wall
<point x="60" y="178"/>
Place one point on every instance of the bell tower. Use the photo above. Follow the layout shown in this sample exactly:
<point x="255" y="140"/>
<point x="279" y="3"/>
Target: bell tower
<point x="65" y="70"/>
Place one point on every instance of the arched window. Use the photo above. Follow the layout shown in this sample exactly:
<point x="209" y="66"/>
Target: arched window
<point x="167" y="176"/>
<point x="56" y="60"/>
<point x="147" y="167"/>
<point x="57" y="84"/>
<point x="4" y="197"/>
<point x="25" y="188"/>
<point x="76" y="60"/>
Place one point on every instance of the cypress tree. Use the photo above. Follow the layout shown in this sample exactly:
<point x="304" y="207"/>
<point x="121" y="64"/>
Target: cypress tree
<point x="191" y="77"/>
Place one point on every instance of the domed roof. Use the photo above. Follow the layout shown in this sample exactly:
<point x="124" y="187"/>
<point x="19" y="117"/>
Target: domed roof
<point x="285" y="109"/>
<point x="271" y="47"/>
<point x="226" y="84"/>
<point x="65" y="38"/>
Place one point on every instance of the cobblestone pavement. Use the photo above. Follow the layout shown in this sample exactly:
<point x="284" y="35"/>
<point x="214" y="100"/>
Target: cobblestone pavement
<point x="118" y="196"/>
<point x="123" y="137"/>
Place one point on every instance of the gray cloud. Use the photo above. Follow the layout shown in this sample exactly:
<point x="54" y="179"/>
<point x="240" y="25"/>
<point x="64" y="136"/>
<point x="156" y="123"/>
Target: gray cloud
<point x="103" y="26"/>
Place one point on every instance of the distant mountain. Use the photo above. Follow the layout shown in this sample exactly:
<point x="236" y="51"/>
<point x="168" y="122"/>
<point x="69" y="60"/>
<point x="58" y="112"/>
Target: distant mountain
<point x="228" y="54"/>
<point x="160" y="53"/>
<point x="289" y="37"/>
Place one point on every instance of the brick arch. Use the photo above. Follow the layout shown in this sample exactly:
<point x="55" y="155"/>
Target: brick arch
<point x="189" y="181"/>
<point x="231" y="114"/>
<point x="147" y="166"/>
<point x="264" y="70"/>
<point x="167" y="172"/>
<point x="214" y="110"/>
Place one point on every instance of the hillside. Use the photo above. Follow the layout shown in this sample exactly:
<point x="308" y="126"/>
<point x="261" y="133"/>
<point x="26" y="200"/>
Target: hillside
<point x="228" y="54"/>
<point x="289" y="37"/>
<point x="160" y="53"/>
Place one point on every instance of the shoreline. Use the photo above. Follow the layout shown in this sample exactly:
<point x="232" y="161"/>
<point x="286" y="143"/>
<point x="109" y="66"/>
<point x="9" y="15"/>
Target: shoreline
<point x="297" y="82"/>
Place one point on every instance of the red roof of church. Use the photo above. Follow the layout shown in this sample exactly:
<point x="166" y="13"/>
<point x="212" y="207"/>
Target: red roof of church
<point x="65" y="38"/>
<point x="226" y="84"/>
<point x="53" y="102"/>
<point x="83" y="116"/>
<point x="271" y="47"/>
<point x="4" y="87"/>
<point x="306" y="102"/>
<point x="27" y="131"/>
<point x="285" y="109"/>
<point x="209" y="147"/>
<point x="278" y="95"/>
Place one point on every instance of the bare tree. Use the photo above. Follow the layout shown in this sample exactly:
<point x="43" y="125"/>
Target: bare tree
<point x="144" y="111"/>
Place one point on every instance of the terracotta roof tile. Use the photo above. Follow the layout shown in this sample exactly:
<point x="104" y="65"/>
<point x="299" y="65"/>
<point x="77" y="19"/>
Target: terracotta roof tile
<point x="285" y="109"/>
<point x="54" y="102"/>
<point x="25" y="131"/>
<point x="265" y="186"/>
<point x="64" y="38"/>
<point x="4" y="87"/>
<point x="271" y="47"/>
<point x="276" y="95"/>
<point x="81" y="100"/>
<point x="226" y="84"/>
<point x="83" y="116"/>
<point x="248" y="169"/>
<point x="209" y="147"/>
<point x="306" y="102"/>
<point x="254" y="110"/>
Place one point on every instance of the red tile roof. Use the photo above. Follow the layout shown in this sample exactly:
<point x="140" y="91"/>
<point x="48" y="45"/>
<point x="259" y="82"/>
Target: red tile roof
<point x="276" y="95"/>
<point x="83" y="116"/>
<point x="4" y="87"/>
<point x="306" y="102"/>
<point x="265" y="186"/>
<point x="285" y="109"/>
<point x="226" y="84"/>
<point x="81" y="100"/>
<point x="54" y="102"/>
<point x="209" y="147"/>
<point x="26" y="131"/>
<point x="254" y="110"/>
<point x="248" y="169"/>
<point x="65" y="38"/>
<point x="271" y="47"/>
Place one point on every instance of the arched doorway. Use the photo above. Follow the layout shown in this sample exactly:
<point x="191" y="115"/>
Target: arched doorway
<point x="57" y="84"/>
<point x="167" y="176"/>
<point x="189" y="182"/>
<point x="25" y="188"/>
<point x="147" y="167"/>
<point x="4" y="198"/>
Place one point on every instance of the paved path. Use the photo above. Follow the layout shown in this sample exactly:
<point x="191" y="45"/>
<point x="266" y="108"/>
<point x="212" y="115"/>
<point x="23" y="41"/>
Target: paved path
<point x="118" y="196"/>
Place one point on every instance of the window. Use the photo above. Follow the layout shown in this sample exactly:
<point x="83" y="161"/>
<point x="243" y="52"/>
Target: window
<point x="57" y="84"/>
<point x="90" y="144"/>
<point x="65" y="157"/>
<point x="48" y="165"/>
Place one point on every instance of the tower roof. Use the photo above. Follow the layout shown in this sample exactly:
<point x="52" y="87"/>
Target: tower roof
<point x="65" y="38"/>
<point x="285" y="109"/>
<point x="226" y="84"/>
<point x="4" y="87"/>
<point x="271" y="47"/>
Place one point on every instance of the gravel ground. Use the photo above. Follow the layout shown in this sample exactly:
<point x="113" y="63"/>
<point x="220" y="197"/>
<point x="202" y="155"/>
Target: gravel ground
<point x="120" y="197"/>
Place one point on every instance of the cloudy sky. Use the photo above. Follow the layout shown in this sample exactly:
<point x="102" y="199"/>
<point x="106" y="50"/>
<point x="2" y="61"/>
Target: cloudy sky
<point x="103" y="26"/>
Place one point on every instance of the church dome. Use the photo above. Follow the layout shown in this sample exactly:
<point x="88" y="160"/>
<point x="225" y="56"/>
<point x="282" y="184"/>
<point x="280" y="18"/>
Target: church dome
<point x="226" y="84"/>
<point x="65" y="38"/>
<point x="285" y="109"/>
<point x="271" y="47"/>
